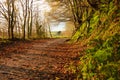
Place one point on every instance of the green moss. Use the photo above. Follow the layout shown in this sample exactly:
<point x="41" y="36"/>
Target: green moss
<point x="102" y="59"/>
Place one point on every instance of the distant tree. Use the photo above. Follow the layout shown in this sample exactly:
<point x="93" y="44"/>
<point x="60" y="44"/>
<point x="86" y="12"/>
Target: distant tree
<point x="59" y="32"/>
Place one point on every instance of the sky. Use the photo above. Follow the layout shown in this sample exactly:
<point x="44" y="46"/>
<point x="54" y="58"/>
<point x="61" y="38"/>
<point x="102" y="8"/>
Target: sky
<point x="45" y="7"/>
<point x="59" y="27"/>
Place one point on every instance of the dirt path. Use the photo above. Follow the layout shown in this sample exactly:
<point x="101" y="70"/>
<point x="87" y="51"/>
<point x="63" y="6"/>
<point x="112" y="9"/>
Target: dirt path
<point x="36" y="60"/>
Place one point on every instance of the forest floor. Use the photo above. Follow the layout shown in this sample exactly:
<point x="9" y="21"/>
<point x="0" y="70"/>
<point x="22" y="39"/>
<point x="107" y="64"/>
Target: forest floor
<point x="42" y="59"/>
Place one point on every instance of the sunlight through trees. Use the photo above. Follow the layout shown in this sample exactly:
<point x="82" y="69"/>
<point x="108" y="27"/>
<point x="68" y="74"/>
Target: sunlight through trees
<point x="92" y="26"/>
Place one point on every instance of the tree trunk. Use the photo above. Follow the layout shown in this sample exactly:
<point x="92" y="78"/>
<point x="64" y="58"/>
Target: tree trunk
<point x="24" y="25"/>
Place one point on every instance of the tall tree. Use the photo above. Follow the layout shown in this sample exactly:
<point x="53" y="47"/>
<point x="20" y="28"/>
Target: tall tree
<point x="30" y="18"/>
<point x="24" y="5"/>
<point x="8" y="10"/>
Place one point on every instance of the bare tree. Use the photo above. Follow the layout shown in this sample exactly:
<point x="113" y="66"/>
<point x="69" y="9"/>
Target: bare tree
<point x="30" y="18"/>
<point x="8" y="10"/>
<point x="21" y="21"/>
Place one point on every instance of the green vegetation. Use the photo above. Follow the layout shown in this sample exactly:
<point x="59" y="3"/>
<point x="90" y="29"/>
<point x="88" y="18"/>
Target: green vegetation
<point x="101" y="61"/>
<point x="100" y="31"/>
<point x="97" y="26"/>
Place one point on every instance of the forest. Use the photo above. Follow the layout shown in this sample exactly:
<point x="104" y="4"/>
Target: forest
<point x="91" y="50"/>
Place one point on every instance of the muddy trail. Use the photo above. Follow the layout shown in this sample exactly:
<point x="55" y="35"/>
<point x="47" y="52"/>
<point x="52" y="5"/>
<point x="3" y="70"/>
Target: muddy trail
<point x="42" y="59"/>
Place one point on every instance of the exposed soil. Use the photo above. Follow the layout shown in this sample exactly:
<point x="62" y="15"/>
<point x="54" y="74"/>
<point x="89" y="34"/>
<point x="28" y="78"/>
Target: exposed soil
<point x="42" y="59"/>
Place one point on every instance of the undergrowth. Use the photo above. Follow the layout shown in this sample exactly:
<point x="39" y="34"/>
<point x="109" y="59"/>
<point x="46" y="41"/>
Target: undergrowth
<point x="101" y="60"/>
